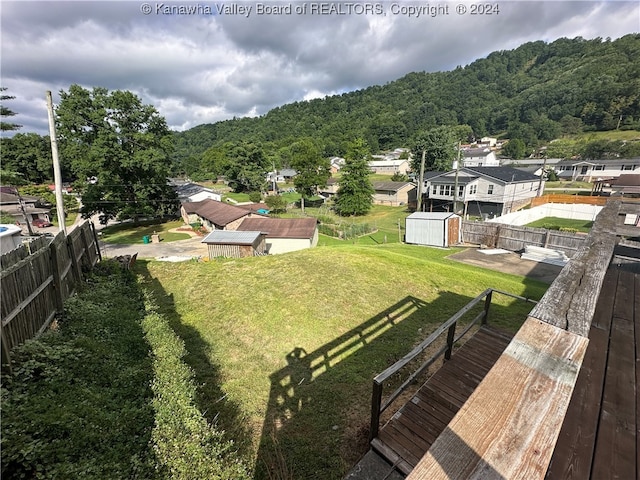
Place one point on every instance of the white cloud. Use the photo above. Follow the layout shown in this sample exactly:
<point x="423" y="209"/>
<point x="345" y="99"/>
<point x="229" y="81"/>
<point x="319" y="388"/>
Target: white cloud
<point x="204" y="68"/>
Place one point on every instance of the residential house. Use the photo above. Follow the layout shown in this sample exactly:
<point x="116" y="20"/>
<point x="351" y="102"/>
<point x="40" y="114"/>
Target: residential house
<point x="479" y="157"/>
<point x="389" y="166"/>
<point x="284" y="234"/>
<point x="330" y="189"/>
<point x="214" y="215"/>
<point x="281" y="176"/>
<point x="192" y="192"/>
<point x="626" y="184"/>
<point x="532" y="165"/>
<point x="33" y="207"/>
<point x="392" y="193"/>
<point x="592" y="170"/>
<point x="336" y="164"/>
<point x="486" y="191"/>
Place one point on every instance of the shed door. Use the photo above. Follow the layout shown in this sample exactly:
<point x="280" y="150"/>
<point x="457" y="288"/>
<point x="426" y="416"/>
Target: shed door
<point x="453" y="231"/>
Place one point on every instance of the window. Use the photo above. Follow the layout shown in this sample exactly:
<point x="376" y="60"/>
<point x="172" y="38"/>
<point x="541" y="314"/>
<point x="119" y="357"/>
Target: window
<point x="490" y="189"/>
<point x="461" y="191"/>
<point x="473" y="189"/>
<point x="627" y="167"/>
<point x="599" y="167"/>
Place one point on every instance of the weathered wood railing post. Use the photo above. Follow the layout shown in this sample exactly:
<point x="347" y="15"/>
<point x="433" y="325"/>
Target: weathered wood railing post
<point x="451" y="334"/>
<point x="487" y="306"/>
<point x="77" y="273"/>
<point x="376" y="401"/>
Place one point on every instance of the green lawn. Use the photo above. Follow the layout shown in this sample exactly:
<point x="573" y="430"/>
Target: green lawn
<point x="556" y="223"/>
<point x="127" y="233"/>
<point x="285" y="347"/>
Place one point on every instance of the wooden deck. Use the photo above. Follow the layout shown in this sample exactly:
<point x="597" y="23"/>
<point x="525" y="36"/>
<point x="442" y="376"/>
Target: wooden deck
<point x="407" y="436"/>
<point x="599" y="436"/>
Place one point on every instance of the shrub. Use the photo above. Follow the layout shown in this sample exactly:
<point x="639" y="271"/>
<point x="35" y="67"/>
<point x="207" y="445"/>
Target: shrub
<point x="255" y="197"/>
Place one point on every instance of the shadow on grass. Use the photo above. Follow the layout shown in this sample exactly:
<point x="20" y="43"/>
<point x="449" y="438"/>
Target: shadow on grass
<point x="318" y="413"/>
<point x="212" y="401"/>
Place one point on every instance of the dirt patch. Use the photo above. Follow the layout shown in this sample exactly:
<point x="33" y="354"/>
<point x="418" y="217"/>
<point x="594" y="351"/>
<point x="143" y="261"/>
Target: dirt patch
<point x="509" y="262"/>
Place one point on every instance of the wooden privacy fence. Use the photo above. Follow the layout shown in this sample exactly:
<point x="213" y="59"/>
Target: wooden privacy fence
<point x="514" y="238"/>
<point x="37" y="281"/>
<point x="564" y="198"/>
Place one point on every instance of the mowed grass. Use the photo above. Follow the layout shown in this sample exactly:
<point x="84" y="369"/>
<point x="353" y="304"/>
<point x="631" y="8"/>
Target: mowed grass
<point x="557" y="223"/>
<point x="285" y="347"/>
<point x="127" y="233"/>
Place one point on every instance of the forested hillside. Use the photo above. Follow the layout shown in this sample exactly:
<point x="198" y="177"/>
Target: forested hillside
<point x="537" y="92"/>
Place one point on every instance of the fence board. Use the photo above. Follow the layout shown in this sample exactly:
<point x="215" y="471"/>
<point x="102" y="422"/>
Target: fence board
<point x="515" y="238"/>
<point x="563" y="198"/>
<point x="35" y="284"/>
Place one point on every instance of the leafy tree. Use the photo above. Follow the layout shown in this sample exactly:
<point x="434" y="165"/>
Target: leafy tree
<point x="6" y="112"/>
<point x="399" y="177"/>
<point x="247" y="167"/>
<point x="514" y="148"/>
<point x="29" y="154"/>
<point x="6" y="218"/>
<point x="120" y="151"/>
<point x="355" y="192"/>
<point x="276" y="203"/>
<point x="313" y="169"/>
<point x="562" y="148"/>
<point x="438" y="146"/>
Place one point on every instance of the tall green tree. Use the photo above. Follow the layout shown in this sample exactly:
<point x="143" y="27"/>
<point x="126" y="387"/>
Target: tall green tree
<point x="29" y="154"/>
<point x="119" y="149"/>
<point x="247" y="167"/>
<point x="355" y="192"/>
<point x="6" y="112"/>
<point x="313" y="169"/>
<point x="439" y="147"/>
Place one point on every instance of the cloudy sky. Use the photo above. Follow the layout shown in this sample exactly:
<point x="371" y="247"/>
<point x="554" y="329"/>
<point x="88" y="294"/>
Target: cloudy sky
<point x="209" y="61"/>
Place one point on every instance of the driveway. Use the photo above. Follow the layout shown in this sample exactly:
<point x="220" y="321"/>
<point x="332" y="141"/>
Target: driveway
<point x="190" y="248"/>
<point x="509" y="262"/>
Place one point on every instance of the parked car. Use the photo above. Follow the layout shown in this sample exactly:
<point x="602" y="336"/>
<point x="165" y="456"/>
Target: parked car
<point x="41" y="223"/>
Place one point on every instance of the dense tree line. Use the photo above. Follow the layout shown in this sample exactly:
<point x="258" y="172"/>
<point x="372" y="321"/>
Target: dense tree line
<point x="534" y="93"/>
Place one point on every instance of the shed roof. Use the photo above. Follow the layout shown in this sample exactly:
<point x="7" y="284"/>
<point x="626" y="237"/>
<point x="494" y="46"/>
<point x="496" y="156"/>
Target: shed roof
<point x="281" y="227"/>
<point x="431" y="215"/>
<point x="390" y="186"/>
<point x="231" y="237"/>
<point x="216" y="212"/>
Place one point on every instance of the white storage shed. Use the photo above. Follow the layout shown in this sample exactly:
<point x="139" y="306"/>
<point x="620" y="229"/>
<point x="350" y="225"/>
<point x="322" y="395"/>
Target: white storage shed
<point x="437" y="229"/>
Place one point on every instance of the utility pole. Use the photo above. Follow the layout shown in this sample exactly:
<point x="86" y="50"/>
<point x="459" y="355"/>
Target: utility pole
<point x="24" y="213"/>
<point x="455" y="187"/>
<point x="57" y="175"/>
<point x="421" y="181"/>
<point x="542" y="174"/>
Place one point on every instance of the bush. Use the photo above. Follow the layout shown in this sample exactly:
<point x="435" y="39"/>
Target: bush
<point x="255" y="197"/>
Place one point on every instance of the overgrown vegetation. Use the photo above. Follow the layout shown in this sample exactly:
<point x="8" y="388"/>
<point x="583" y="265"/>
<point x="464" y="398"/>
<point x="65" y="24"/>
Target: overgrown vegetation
<point x="92" y="399"/>
<point x="128" y="233"/>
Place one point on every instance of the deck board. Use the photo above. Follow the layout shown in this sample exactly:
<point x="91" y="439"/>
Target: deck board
<point x="407" y="436"/>
<point x="599" y="435"/>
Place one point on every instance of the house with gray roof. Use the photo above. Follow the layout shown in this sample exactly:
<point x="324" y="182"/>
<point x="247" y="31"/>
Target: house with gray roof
<point x="485" y="191"/>
<point x="597" y="170"/>
<point x="392" y="193"/>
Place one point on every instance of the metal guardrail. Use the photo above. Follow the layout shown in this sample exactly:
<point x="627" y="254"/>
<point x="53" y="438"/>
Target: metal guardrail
<point x="377" y="405"/>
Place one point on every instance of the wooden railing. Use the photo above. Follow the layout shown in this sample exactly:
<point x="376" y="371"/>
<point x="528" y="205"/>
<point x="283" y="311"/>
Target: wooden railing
<point x="377" y="405"/>
<point x="532" y="382"/>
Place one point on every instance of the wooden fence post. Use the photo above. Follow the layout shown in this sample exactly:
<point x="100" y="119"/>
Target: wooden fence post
<point x="451" y="334"/>
<point x="77" y="273"/>
<point x="57" y="280"/>
<point x="95" y="239"/>
<point x="376" y="401"/>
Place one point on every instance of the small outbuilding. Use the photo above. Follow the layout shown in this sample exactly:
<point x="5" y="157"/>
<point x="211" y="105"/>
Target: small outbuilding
<point x="437" y="229"/>
<point x="234" y="244"/>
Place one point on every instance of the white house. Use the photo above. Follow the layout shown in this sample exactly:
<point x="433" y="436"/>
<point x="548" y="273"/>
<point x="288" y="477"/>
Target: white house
<point x="479" y="157"/>
<point x="389" y="167"/>
<point x="487" y="191"/>
<point x="192" y="192"/>
<point x="592" y="170"/>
